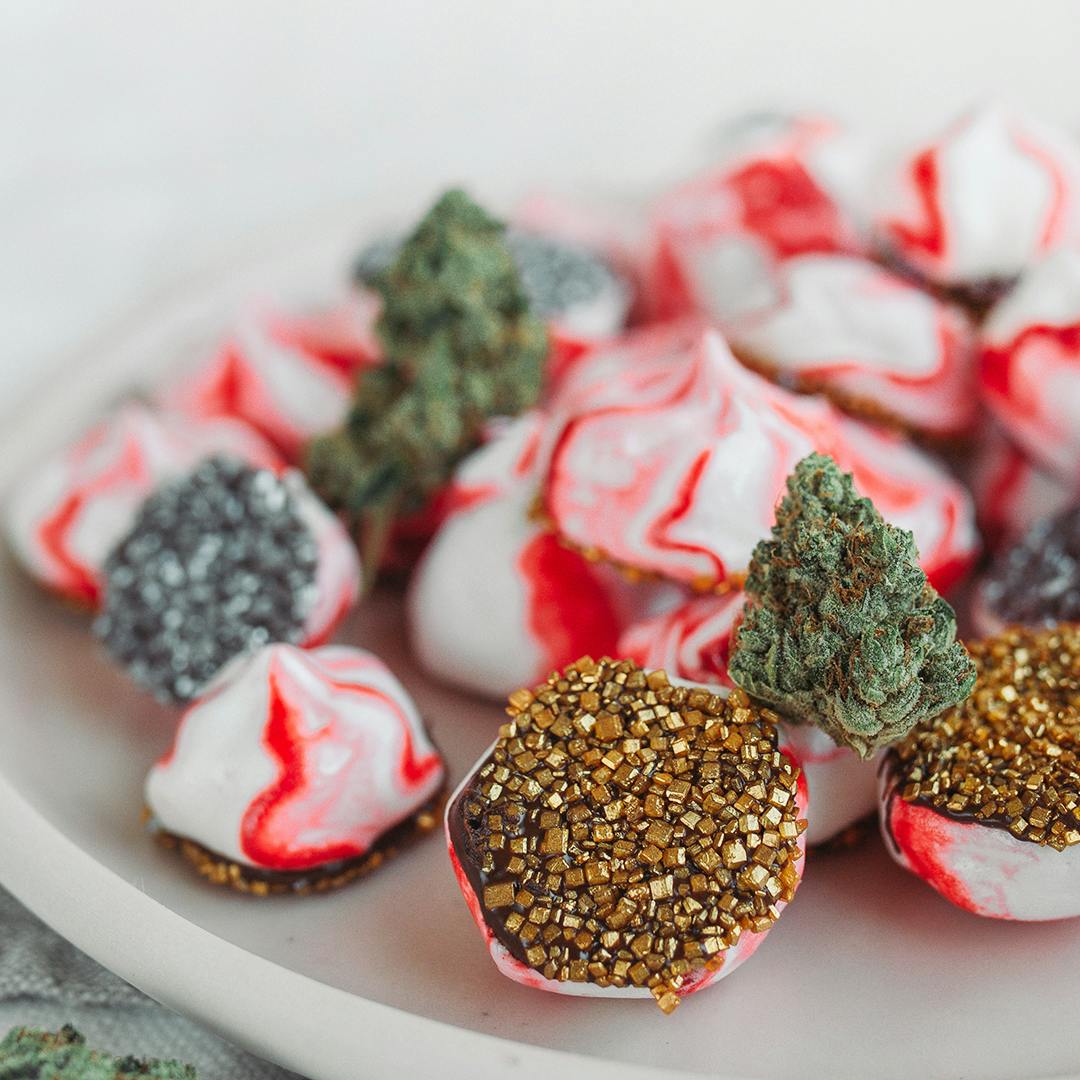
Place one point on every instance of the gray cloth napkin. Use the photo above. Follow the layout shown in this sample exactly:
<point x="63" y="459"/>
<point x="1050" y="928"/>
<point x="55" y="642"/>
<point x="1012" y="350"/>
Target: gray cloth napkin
<point x="46" y="982"/>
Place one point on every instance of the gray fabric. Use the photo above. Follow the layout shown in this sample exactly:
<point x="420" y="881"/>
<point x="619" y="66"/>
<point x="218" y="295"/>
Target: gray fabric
<point x="46" y="982"/>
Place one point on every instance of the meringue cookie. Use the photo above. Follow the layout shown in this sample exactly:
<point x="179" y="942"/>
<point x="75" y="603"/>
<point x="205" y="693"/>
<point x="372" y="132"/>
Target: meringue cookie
<point x="297" y="769"/>
<point x="981" y="801"/>
<point x="289" y="377"/>
<point x="1029" y="373"/>
<point x="779" y="190"/>
<point x="984" y="870"/>
<point x="974" y="205"/>
<point x="65" y="515"/>
<point x="873" y="342"/>
<point x="766" y="248"/>
<point x="629" y="818"/>
<point x="668" y="457"/>
<point x="496" y="601"/>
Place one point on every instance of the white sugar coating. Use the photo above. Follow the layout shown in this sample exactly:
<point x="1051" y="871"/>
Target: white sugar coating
<point x="358" y="759"/>
<point x="66" y="513"/>
<point x="981" y="868"/>
<point x="1030" y="364"/>
<point x="980" y="201"/>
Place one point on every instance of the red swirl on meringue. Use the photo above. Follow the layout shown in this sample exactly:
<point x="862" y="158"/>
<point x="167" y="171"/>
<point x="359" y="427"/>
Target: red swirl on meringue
<point x="296" y="760"/>
<point x="497" y="601"/>
<point x="980" y="201"/>
<point x="668" y="457"/>
<point x="289" y="376"/>
<point x="1030" y="364"/>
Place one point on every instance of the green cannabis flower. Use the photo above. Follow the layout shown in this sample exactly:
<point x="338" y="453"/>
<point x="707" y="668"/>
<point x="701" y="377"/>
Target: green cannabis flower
<point x="841" y="627"/>
<point x="459" y="347"/>
<point x="64" y="1055"/>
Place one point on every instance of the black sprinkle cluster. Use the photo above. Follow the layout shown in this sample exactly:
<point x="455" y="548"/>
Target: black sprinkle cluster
<point x="556" y="275"/>
<point x="218" y="562"/>
<point x="1037" y="582"/>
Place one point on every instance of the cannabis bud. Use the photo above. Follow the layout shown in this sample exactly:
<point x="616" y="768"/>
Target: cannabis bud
<point x="64" y="1055"/>
<point x="841" y="627"/>
<point x="459" y="347"/>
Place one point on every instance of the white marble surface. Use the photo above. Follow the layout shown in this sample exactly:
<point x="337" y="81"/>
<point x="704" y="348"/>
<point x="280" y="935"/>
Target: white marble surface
<point x="140" y="140"/>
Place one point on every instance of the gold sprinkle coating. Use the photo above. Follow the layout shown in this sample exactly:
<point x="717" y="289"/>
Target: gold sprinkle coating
<point x="251" y="881"/>
<point x="646" y="868"/>
<point x="1010" y="755"/>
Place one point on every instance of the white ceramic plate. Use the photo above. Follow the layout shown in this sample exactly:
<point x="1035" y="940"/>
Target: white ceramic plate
<point x="868" y="974"/>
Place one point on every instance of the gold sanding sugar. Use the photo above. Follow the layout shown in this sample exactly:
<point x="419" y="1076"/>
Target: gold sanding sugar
<point x="628" y="831"/>
<point x="1010" y="755"/>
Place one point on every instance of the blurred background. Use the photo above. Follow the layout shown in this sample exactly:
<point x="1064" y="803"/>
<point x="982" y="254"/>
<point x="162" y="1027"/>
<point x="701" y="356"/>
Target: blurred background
<point x="143" y="141"/>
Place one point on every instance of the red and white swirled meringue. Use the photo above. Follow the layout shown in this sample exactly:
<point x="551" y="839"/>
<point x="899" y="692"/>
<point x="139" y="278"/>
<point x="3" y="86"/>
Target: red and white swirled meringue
<point x="514" y="969"/>
<point x="64" y="516"/>
<point x="668" y="457"/>
<point x="876" y="344"/>
<point x="980" y="868"/>
<point x="1011" y="491"/>
<point x="984" y="198"/>
<point x="497" y="602"/>
<point x="296" y="760"/>
<point x="290" y="377"/>
<point x="1030" y="364"/>
<point x="780" y="190"/>
<point x="764" y="248"/>
<point x="692" y="643"/>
